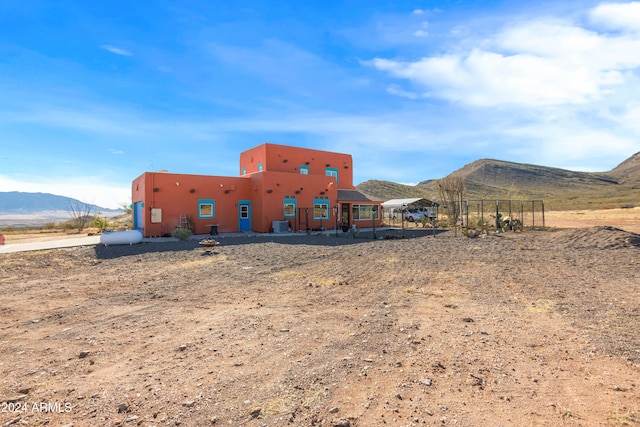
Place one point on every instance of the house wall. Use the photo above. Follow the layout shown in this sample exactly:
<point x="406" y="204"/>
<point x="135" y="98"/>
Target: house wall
<point x="267" y="191"/>
<point x="180" y="194"/>
<point x="274" y="188"/>
<point x="281" y="158"/>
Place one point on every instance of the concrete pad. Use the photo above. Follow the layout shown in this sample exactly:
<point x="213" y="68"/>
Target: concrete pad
<point x="50" y="244"/>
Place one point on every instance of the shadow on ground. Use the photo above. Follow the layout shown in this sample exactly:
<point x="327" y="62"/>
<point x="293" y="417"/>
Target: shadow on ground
<point x="327" y="239"/>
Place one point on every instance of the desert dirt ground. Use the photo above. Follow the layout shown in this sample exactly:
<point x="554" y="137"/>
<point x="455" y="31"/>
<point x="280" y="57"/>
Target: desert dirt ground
<point x="625" y="219"/>
<point x="539" y="328"/>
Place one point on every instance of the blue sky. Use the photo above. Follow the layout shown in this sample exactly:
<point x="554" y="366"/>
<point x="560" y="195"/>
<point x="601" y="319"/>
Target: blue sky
<point x="93" y="94"/>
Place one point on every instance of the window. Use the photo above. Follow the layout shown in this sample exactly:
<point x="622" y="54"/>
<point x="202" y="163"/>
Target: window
<point x="331" y="172"/>
<point x="244" y="171"/>
<point x="260" y="167"/>
<point x="304" y="170"/>
<point x="361" y="212"/>
<point x="289" y="206"/>
<point x="244" y="211"/>
<point x="320" y="209"/>
<point x="206" y="209"/>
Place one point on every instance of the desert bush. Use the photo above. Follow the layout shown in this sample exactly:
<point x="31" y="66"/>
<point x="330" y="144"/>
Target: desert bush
<point x="182" y="233"/>
<point x="475" y="229"/>
<point x="100" y="223"/>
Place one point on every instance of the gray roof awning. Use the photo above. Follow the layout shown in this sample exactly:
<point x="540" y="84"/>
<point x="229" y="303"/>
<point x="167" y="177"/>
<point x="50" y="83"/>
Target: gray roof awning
<point x="353" y="196"/>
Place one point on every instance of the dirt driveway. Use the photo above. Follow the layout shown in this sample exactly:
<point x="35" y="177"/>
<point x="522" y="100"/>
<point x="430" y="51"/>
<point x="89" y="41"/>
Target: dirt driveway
<point x="520" y="329"/>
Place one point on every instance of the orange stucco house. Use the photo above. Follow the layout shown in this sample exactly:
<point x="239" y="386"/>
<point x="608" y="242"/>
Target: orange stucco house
<point x="278" y="188"/>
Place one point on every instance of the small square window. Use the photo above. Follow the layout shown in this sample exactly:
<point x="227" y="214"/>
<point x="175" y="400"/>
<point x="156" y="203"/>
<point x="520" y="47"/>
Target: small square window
<point x="321" y="209"/>
<point x="332" y="172"/>
<point x="206" y="209"/>
<point x="289" y="210"/>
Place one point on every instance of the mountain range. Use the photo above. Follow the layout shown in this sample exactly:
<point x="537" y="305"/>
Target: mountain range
<point x="560" y="189"/>
<point x="485" y="179"/>
<point x="20" y="208"/>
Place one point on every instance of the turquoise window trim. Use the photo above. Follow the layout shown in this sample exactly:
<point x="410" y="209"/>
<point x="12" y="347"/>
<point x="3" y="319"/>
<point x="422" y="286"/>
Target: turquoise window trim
<point x="332" y="172"/>
<point x="321" y="209"/>
<point x="305" y="169"/>
<point x="205" y="203"/>
<point x="260" y="167"/>
<point x="292" y="212"/>
<point x="244" y="171"/>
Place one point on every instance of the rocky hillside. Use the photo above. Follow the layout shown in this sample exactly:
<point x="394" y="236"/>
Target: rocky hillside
<point x="559" y="188"/>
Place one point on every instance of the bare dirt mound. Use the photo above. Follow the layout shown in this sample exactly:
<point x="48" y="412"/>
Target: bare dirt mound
<point x="600" y="237"/>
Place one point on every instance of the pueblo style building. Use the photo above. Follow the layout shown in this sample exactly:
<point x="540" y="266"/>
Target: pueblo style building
<point x="279" y="188"/>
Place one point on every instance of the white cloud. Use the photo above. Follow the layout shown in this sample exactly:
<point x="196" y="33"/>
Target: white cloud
<point x="536" y="63"/>
<point x="83" y="116"/>
<point x="116" y="50"/>
<point x="397" y="90"/>
<point x="422" y="32"/>
<point x="484" y="78"/>
<point x="617" y="16"/>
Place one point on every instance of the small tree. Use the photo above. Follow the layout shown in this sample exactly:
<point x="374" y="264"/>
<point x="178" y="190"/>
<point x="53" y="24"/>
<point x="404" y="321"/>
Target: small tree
<point x="126" y="207"/>
<point x="451" y="190"/>
<point x="80" y="214"/>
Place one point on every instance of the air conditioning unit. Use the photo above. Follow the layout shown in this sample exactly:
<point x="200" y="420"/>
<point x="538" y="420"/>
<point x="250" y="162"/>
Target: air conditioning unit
<point x="280" y="226"/>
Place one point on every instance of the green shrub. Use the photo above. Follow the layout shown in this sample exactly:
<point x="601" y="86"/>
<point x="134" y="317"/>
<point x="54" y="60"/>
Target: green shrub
<point x="101" y="223"/>
<point x="181" y="233"/>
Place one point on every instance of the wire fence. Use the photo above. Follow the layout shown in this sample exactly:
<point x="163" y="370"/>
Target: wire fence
<point x="523" y="213"/>
<point x="485" y="213"/>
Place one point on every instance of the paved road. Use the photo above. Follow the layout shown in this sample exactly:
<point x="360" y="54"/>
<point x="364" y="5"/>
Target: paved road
<point x="50" y="244"/>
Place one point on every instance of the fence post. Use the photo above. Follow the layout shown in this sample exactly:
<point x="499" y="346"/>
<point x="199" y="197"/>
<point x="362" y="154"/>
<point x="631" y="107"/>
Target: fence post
<point x="533" y="213"/>
<point x="467" y="207"/>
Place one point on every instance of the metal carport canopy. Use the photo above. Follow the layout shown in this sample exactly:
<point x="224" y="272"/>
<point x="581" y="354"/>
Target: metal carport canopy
<point x="416" y="202"/>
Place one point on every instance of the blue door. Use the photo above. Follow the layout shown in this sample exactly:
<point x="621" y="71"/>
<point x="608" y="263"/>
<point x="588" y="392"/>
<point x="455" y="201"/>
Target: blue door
<point x="138" y="220"/>
<point x="244" y="215"/>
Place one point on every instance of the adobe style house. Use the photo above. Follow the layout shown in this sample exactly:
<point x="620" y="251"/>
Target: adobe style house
<point x="278" y="187"/>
